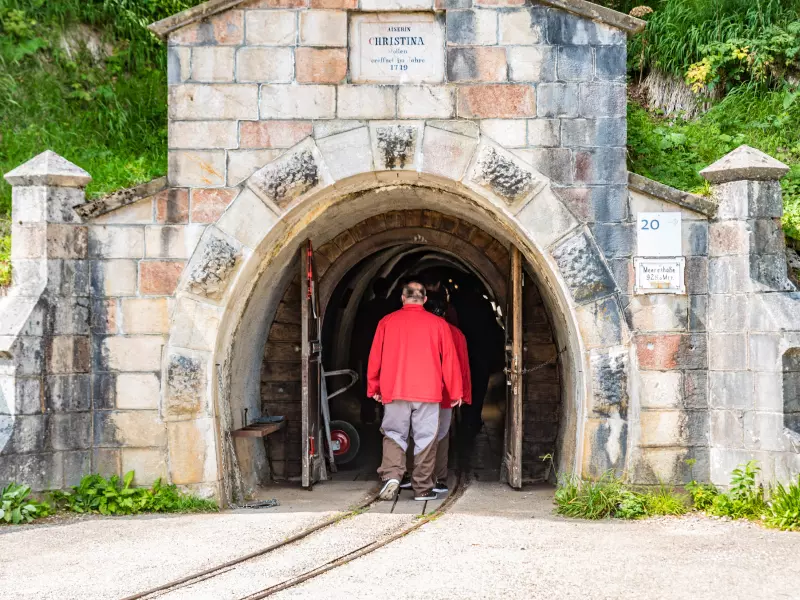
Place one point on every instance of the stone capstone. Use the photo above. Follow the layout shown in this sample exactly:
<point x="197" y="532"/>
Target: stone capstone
<point x="209" y="275"/>
<point x="396" y="145"/>
<point x="186" y="381"/>
<point x="48" y="168"/>
<point x="288" y="177"/>
<point x="744" y="163"/>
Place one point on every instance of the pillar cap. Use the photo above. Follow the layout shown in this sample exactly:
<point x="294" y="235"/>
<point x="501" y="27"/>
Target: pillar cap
<point x="48" y="168"/>
<point x="743" y="164"/>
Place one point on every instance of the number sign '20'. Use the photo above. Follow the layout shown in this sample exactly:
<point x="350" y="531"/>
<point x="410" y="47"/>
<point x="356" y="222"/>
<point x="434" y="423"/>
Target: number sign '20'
<point x="658" y="234"/>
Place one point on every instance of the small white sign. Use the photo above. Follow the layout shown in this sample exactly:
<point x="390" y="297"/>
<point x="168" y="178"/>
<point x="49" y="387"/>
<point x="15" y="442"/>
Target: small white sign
<point x="658" y="234"/>
<point x="396" y="48"/>
<point x="660" y="275"/>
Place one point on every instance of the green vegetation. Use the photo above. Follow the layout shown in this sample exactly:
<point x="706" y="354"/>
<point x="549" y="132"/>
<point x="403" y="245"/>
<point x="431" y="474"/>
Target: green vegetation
<point x="112" y="496"/>
<point x="609" y="497"/>
<point x="741" y="56"/>
<point x="17" y="506"/>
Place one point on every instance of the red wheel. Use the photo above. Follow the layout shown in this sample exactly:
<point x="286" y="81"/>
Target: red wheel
<point x="346" y="437"/>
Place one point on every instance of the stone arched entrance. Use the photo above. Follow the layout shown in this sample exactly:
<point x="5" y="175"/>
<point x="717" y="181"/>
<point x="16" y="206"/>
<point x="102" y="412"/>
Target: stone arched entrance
<point x="328" y="184"/>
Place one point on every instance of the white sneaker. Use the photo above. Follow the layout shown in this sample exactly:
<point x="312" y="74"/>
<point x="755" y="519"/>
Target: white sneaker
<point x="389" y="489"/>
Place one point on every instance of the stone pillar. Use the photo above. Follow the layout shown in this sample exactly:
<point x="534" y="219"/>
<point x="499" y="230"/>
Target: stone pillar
<point x="746" y="272"/>
<point x="45" y="349"/>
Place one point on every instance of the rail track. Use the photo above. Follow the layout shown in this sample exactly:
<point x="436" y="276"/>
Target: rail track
<point x="379" y="542"/>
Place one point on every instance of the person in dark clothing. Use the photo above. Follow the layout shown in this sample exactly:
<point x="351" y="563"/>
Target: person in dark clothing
<point x="366" y="324"/>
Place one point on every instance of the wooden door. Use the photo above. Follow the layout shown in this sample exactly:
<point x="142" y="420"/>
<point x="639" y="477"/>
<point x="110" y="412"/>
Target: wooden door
<point x="311" y="325"/>
<point x="512" y="456"/>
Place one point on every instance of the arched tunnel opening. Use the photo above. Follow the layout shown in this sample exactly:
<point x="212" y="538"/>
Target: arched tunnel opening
<point x="361" y="275"/>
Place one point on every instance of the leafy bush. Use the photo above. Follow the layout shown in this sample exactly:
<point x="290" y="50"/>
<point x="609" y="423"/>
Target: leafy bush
<point x="783" y="508"/>
<point x="17" y="506"/>
<point x="702" y="494"/>
<point x="112" y="496"/>
<point x="608" y="497"/>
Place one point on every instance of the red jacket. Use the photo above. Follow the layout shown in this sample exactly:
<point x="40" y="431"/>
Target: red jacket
<point x="413" y="358"/>
<point x="460" y="343"/>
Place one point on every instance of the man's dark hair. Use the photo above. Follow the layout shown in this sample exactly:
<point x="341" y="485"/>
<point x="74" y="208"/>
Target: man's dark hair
<point x="380" y="287"/>
<point x="437" y="303"/>
<point x="411" y="291"/>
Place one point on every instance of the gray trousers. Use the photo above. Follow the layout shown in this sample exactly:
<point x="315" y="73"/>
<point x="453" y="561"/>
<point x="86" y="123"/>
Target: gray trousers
<point x="401" y="419"/>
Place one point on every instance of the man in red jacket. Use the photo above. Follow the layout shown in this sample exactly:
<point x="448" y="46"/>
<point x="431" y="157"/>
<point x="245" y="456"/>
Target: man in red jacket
<point x="413" y="359"/>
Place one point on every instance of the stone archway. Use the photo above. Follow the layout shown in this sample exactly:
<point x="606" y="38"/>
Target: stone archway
<point x="329" y="183"/>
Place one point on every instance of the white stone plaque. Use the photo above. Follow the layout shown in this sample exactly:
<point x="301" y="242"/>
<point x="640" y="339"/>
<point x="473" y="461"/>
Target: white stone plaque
<point x="396" y="48"/>
<point x="658" y="233"/>
<point x="660" y="275"/>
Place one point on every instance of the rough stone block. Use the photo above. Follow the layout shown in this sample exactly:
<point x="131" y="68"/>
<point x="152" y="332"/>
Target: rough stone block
<point x="171" y="241"/>
<point x="196" y="168"/>
<point x="147" y="463"/>
<point x="179" y="64"/>
<point x="606" y="447"/>
<point x="225" y="28"/>
<point x="66" y="241"/>
<point x="243" y="163"/>
<point x="667" y="352"/>
<point x="698" y="313"/>
<point x="247" y="219"/>
<point x="323" y="28"/>
<point x="366" y="102"/>
<point x="695" y="389"/>
<point x="426" y="102"/>
<point x="557" y="100"/>
<point x="694" y="238"/>
<point x="70" y="431"/>
<point x="615" y="240"/>
<point x="546" y="218"/>
<point x="765" y="431"/>
<point x="544" y="132"/>
<point x="212" y="64"/>
<point x="524" y="27"/>
<point x="68" y="354"/>
<point x="661" y="389"/>
<point x="471" y="27"/>
<point x="728" y="238"/>
<point x="298" y="102"/>
<point x="212" y="266"/>
<point x="77" y="465"/>
<point x="396" y="144"/>
<point x="347" y="153"/>
<point x="727" y="351"/>
<point x="657" y="312"/>
<point x="71" y="318"/>
<point x="766" y="236"/>
<point x="601" y="165"/>
<point x="159" y="277"/>
<point x="503" y="174"/>
<point x="132" y="428"/>
<point x="264" y="65"/>
<point x="553" y="163"/>
<point x="320" y="65"/>
<point x="603" y="100"/>
<point x="496" y="101"/>
<point x="106" y="461"/>
<point x="132" y="353"/>
<point x="769" y="273"/>
<point x="593" y="132"/>
<point x="622" y="270"/>
<point x="41" y="471"/>
<point x="68" y="277"/>
<point x="297" y="172"/>
<point x="583" y="269"/>
<point x="600" y="323"/>
<point x="509" y="133"/>
<point x="191" y="458"/>
<point x="567" y="29"/>
<point x="730" y="390"/>
<point x="446" y="153"/>
<point x="65" y="393"/>
<point x="145" y="315"/>
<point x="765" y="199"/>
<point x="575" y="63"/>
<point x="476" y="64"/>
<point x="729" y="275"/>
<point x="185" y="385"/>
<point x="172" y="206"/>
<point x="610" y="62"/>
<point x="271" y="27"/>
<point x="207" y="205"/>
<point x="202" y="134"/>
<point x="28" y="395"/>
<point x="193" y="102"/>
<point x="28" y="434"/>
<point x="672" y="427"/>
<point x="728" y="312"/>
<point x="137" y="391"/>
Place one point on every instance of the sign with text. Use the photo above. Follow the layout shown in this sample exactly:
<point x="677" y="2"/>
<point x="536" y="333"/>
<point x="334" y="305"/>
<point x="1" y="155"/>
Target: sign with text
<point x="660" y="275"/>
<point x="658" y="234"/>
<point x="396" y="48"/>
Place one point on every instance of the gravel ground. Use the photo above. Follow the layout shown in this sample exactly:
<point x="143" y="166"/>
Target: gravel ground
<point x="494" y="543"/>
<point x="502" y="544"/>
<point x="95" y="559"/>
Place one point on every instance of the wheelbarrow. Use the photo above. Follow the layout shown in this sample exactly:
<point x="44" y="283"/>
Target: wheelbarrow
<point x="343" y="439"/>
